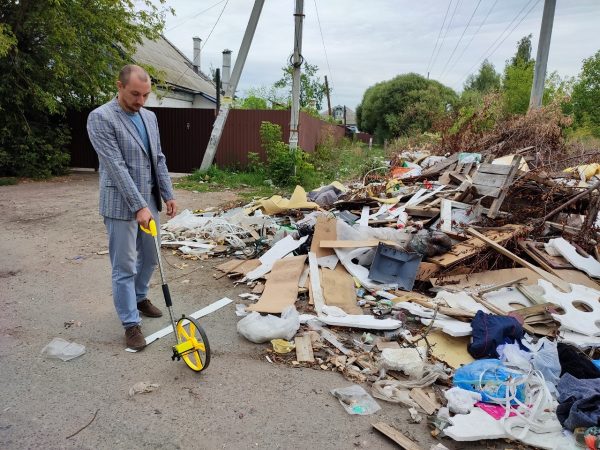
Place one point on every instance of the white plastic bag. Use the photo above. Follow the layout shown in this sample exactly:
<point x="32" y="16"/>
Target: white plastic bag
<point x="461" y="401"/>
<point x="356" y="400"/>
<point x="258" y="329"/>
<point x="513" y="356"/>
<point x="58" y="348"/>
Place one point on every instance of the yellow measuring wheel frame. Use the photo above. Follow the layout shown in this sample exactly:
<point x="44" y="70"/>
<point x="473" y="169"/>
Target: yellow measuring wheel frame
<point x="192" y="343"/>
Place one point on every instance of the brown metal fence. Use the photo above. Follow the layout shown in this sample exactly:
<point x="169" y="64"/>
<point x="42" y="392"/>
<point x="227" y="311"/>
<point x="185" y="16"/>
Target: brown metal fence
<point x="184" y="134"/>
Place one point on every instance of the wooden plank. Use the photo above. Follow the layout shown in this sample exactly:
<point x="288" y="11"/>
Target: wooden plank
<point x="486" y="191"/>
<point x="472" y="246"/>
<point x="546" y="275"/>
<point x="396" y="436"/>
<point x="228" y="266"/>
<point x="304" y="350"/>
<point x="446" y="216"/>
<point x="315" y="283"/>
<point x="537" y="252"/>
<point x="427" y="270"/>
<point x="498" y="169"/>
<point x="491" y="180"/>
<point x="422" y="211"/>
<point x="333" y="340"/>
<point x="424" y="401"/>
<point x="495" y="207"/>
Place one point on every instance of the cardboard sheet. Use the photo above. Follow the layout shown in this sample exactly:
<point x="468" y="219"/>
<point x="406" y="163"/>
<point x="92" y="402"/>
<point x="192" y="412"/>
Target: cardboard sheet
<point x="486" y="279"/>
<point x="325" y="229"/>
<point x="338" y="289"/>
<point x="281" y="289"/>
<point x="451" y="350"/>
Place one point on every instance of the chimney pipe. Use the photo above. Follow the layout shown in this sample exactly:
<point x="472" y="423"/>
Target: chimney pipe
<point x="226" y="71"/>
<point x="197" y="46"/>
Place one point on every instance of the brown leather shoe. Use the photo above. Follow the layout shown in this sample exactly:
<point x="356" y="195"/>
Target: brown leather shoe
<point x="134" y="337"/>
<point x="148" y="309"/>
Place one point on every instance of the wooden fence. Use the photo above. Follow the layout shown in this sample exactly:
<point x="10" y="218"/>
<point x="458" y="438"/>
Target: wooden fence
<point x="184" y="134"/>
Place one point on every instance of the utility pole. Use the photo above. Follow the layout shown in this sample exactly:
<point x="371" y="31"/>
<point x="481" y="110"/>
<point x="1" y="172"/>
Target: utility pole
<point x="297" y="67"/>
<point x="328" y="97"/>
<point x="219" y="125"/>
<point x="344" y="115"/>
<point x="541" y="61"/>
<point x="218" y="84"/>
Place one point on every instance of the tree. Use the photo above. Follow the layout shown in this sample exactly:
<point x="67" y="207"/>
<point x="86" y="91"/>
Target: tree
<point x="312" y="90"/>
<point x="586" y="95"/>
<point x="486" y="80"/>
<point x="518" y="78"/>
<point x="405" y="104"/>
<point x="55" y="56"/>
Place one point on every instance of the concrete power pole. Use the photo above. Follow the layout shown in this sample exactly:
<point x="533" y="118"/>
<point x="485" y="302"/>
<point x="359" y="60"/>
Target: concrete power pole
<point x="297" y="66"/>
<point x="541" y="61"/>
<point x="328" y="96"/>
<point x="219" y="125"/>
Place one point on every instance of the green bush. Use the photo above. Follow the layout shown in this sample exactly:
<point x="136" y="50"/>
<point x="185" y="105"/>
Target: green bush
<point x="284" y="167"/>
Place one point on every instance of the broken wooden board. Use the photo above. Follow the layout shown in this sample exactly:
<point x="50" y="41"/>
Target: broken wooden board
<point x="493" y="180"/>
<point x="325" y="229"/>
<point x="228" y="266"/>
<point x="338" y="289"/>
<point x="333" y="340"/>
<point x="387" y="344"/>
<point x="349" y="244"/>
<point x="426" y="402"/>
<point x="449" y="349"/>
<point x="427" y="270"/>
<point x="316" y="291"/>
<point x="246" y="267"/>
<point x="537" y="251"/>
<point x="561" y="284"/>
<point x="304" y="350"/>
<point x="396" y="436"/>
<point x="473" y="245"/>
<point x="281" y="289"/>
<point x="485" y="279"/>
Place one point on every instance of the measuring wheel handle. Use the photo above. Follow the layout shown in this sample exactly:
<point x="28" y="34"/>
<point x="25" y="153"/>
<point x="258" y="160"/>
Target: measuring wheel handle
<point x="192" y="345"/>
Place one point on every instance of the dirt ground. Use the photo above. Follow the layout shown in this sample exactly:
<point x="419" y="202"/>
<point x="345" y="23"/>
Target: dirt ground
<point x="50" y="273"/>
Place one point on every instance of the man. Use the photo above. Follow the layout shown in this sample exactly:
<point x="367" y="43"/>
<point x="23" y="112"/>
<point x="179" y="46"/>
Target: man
<point x="133" y="179"/>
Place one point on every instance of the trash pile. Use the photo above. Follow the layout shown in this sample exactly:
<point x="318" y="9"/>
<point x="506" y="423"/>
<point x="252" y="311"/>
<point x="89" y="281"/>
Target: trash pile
<point x="459" y="287"/>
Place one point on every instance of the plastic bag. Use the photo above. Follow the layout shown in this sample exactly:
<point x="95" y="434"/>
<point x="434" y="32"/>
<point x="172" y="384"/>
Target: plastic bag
<point x="490" y="378"/>
<point x="544" y="358"/>
<point x="356" y="400"/>
<point x="513" y="356"/>
<point x="58" y="348"/>
<point x="258" y="329"/>
<point x="461" y="401"/>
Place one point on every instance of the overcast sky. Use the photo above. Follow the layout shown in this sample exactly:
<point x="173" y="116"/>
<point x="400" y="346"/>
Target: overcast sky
<point x="371" y="41"/>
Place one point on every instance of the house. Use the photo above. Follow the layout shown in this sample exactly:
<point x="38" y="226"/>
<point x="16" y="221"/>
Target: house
<point x="338" y="114"/>
<point x="187" y="86"/>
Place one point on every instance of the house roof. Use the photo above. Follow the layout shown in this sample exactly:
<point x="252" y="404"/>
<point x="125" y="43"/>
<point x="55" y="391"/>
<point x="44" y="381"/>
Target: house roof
<point x="177" y="68"/>
<point x="350" y="114"/>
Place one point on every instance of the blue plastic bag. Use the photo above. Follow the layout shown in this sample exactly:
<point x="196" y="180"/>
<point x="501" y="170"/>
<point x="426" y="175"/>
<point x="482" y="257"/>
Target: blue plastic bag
<point x="489" y="377"/>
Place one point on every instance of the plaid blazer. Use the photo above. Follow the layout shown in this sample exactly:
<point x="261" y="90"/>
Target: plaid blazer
<point x="125" y="172"/>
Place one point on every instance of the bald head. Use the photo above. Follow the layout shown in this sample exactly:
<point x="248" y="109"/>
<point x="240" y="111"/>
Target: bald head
<point x="132" y="70"/>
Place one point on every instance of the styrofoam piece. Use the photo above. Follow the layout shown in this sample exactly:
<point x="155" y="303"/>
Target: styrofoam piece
<point x="579" y="340"/>
<point x="364" y="217"/>
<point x="196" y="315"/>
<point x="423" y="194"/>
<point x="354" y="321"/>
<point x="328" y="262"/>
<point x="460" y="300"/>
<point x="506" y="298"/>
<point x="447" y="324"/>
<point x="479" y="425"/>
<point x="315" y="283"/>
<point x="588" y="264"/>
<point x="574" y="319"/>
<point x="283" y="247"/>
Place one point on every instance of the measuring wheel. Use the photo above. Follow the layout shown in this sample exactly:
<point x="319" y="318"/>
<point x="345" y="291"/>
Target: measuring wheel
<point x="193" y="344"/>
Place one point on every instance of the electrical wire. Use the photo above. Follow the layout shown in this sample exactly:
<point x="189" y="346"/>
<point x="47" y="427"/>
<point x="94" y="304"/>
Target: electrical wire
<point x="215" y="25"/>
<point x="438" y="36"/>
<point x="460" y="39"/>
<point x="487" y="53"/>
<point x="195" y="15"/>
<point x="324" y="49"/>
<point x="445" y="34"/>
<point x="473" y="36"/>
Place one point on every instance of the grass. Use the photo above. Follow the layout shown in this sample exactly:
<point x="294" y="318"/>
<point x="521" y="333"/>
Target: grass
<point x="342" y="162"/>
<point x="8" y="181"/>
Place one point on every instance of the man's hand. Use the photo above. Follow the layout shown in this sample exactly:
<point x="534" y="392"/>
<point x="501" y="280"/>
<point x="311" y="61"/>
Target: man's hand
<point x="171" y="208"/>
<point x="143" y="216"/>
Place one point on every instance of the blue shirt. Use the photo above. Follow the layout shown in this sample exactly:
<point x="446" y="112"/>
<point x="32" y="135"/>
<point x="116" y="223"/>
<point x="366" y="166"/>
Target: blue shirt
<point x="136" y="118"/>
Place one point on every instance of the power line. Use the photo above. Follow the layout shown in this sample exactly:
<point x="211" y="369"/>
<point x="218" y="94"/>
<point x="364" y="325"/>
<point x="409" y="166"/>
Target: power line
<point x="195" y="15"/>
<point x="473" y="36"/>
<point x="446" y="33"/>
<point x="216" y="22"/>
<point x="486" y="54"/>
<point x="323" y="40"/>
<point x="461" y="37"/>
<point x="438" y="36"/>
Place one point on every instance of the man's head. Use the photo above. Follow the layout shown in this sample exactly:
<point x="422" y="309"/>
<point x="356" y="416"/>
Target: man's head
<point x="134" y="87"/>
